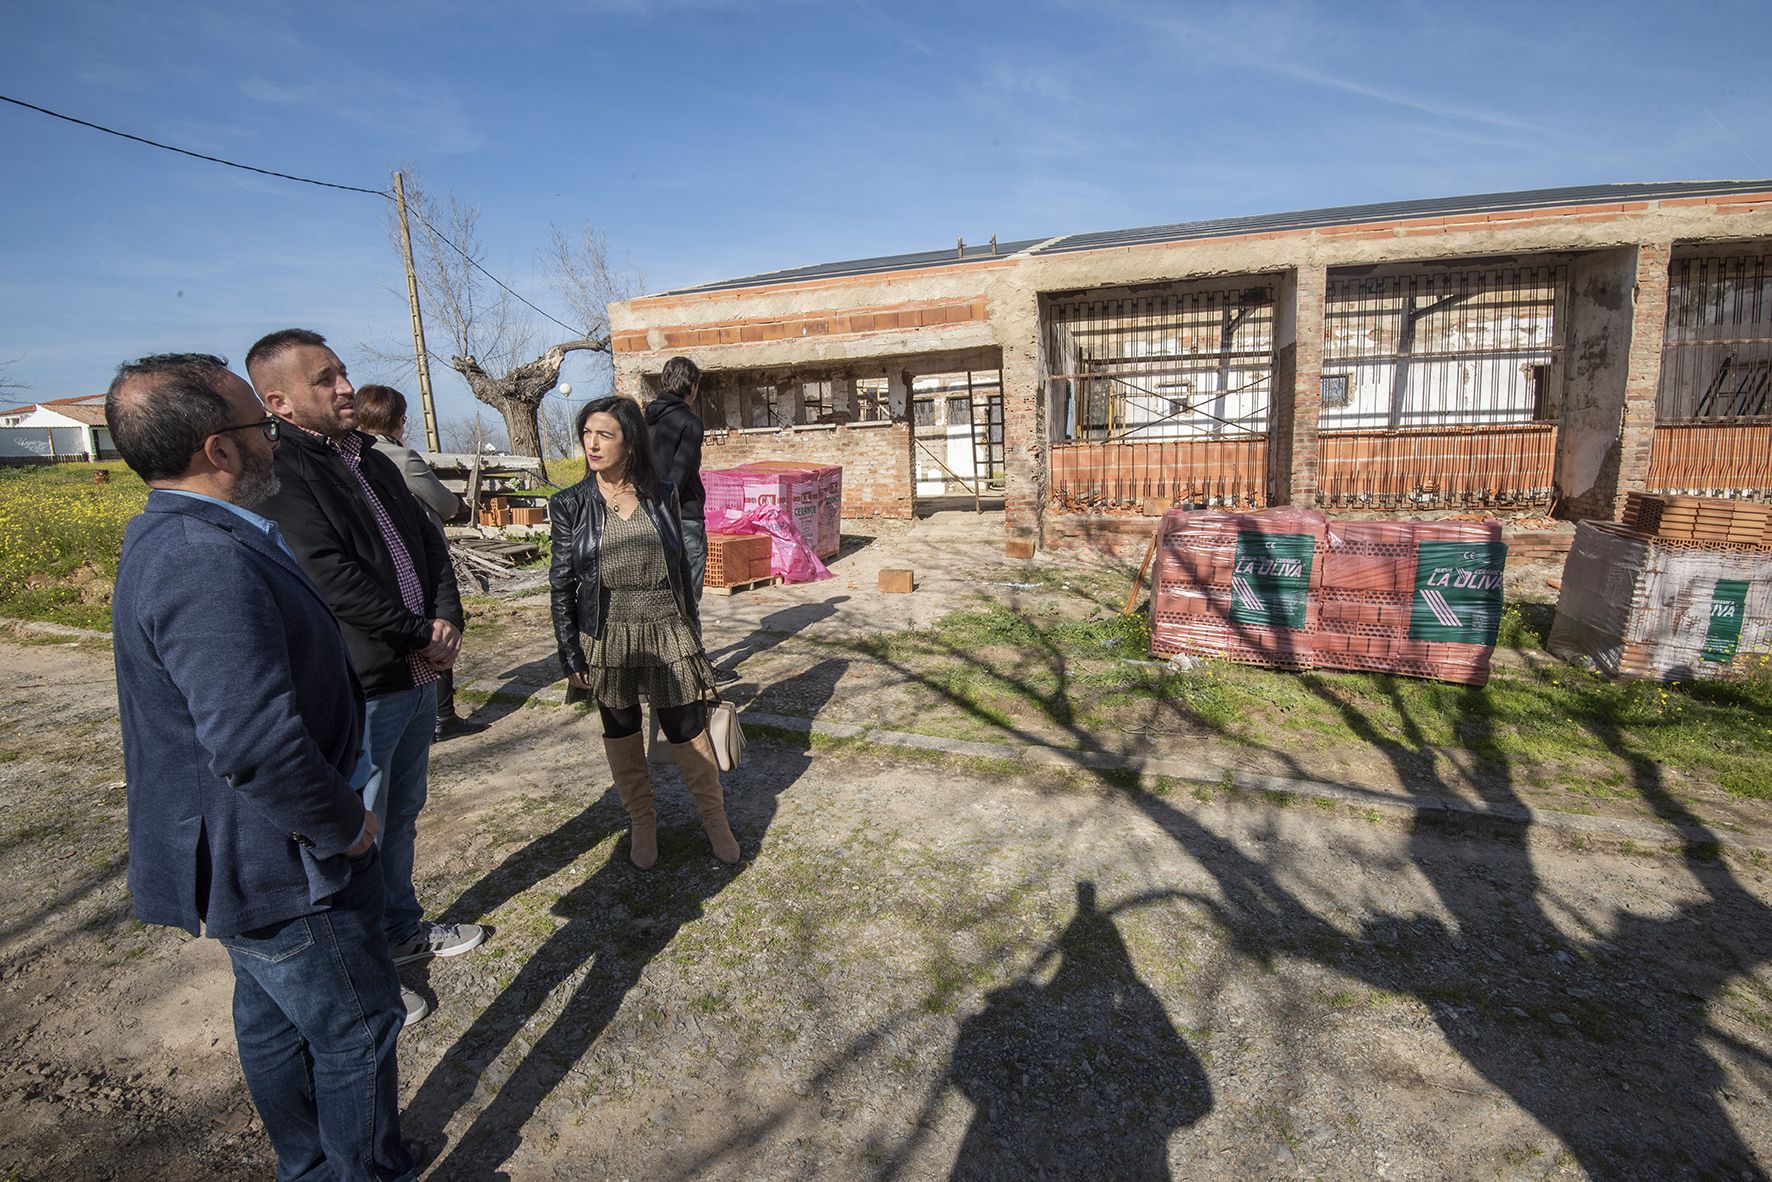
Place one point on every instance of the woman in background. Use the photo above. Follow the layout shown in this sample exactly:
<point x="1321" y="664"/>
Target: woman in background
<point x="381" y="411"/>
<point x="620" y="579"/>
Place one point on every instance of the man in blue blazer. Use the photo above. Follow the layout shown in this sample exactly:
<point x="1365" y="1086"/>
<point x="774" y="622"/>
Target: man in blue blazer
<point x="242" y="735"/>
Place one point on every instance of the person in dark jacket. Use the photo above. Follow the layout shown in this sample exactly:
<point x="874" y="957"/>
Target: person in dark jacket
<point x="381" y="412"/>
<point x="242" y="738"/>
<point x="363" y="539"/>
<point x="620" y="577"/>
<point x="675" y="431"/>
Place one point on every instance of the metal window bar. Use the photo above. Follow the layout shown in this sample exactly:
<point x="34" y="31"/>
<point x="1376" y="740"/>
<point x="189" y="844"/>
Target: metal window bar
<point x="1163" y="365"/>
<point x="1713" y="409"/>
<point x="1444" y="348"/>
<point x="1716" y="355"/>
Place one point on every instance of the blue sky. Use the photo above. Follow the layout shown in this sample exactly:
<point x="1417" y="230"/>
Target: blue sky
<point x="713" y="138"/>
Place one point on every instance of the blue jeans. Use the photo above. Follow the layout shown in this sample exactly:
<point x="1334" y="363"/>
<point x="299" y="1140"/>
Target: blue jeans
<point x="317" y="1013"/>
<point x="397" y="730"/>
<point x="695" y="547"/>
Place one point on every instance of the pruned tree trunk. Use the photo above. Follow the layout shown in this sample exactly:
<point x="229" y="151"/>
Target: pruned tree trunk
<point x="518" y="395"/>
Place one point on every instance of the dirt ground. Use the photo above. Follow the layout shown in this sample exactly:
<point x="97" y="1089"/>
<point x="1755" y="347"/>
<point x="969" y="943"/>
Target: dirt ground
<point x="927" y="966"/>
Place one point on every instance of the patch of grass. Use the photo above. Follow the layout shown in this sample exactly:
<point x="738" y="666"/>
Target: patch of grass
<point x="1525" y="624"/>
<point x="60" y="537"/>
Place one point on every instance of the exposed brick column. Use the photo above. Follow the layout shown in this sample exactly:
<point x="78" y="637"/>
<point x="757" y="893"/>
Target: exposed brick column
<point x="1024" y="421"/>
<point x="628" y="368"/>
<point x="1643" y="378"/>
<point x="1298" y="391"/>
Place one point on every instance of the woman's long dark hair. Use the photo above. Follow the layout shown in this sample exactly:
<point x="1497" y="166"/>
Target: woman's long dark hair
<point x="634" y="437"/>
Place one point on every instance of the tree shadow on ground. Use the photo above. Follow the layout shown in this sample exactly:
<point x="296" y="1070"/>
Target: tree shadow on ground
<point x="775" y="628"/>
<point x="521" y="684"/>
<point x="1603" y="1036"/>
<point x="616" y="921"/>
<point x="1088" y="1059"/>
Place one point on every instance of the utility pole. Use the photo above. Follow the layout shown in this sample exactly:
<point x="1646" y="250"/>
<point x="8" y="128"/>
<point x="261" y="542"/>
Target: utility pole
<point x="432" y="443"/>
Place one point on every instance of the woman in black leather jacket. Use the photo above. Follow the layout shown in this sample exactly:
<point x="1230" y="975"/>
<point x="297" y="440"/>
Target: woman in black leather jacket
<point x="620" y="582"/>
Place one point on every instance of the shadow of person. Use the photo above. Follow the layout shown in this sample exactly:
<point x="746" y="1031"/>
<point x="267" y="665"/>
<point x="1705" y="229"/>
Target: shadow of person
<point x="1083" y="1077"/>
<point x="616" y="921"/>
<point x="521" y="683"/>
<point x="775" y="628"/>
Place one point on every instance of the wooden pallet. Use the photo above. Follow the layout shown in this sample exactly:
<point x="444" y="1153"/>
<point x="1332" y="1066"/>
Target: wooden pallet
<point x="747" y="585"/>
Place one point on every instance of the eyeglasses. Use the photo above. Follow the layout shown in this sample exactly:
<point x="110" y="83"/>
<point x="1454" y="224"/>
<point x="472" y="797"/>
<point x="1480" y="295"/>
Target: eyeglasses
<point x="271" y="425"/>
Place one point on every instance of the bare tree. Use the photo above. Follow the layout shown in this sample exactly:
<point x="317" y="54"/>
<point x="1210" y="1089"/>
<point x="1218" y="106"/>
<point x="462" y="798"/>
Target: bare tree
<point x="555" y="421"/>
<point x="496" y="339"/>
<point x="471" y="436"/>
<point x="6" y="382"/>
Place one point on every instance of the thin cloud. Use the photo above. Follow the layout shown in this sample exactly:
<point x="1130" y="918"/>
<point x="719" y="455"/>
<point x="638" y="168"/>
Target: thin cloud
<point x="904" y="35"/>
<point x="430" y="114"/>
<point x="1288" y="44"/>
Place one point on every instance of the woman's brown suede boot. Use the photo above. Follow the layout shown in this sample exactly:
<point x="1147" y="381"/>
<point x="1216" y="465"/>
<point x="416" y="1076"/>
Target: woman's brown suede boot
<point x="627" y="760"/>
<point x="702" y="777"/>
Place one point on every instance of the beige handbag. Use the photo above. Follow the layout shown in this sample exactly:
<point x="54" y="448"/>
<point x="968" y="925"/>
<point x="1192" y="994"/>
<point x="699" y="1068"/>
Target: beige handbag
<point x="726" y="735"/>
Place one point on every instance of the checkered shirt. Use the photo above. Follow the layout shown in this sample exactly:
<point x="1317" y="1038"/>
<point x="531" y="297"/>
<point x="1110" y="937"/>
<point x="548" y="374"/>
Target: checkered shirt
<point x="412" y="592"/>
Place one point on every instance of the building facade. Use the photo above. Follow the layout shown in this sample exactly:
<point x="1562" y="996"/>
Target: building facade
<point x="61" y="429"/>
<point x="1515" y="354"/>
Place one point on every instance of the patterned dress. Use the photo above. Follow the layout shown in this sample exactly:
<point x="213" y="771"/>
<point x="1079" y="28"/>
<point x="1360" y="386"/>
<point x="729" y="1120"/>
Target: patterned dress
<point x="646" y="649"/>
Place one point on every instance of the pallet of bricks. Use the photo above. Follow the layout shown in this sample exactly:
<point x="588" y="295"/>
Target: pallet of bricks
<point x="500" y="511"/>
<point x="1287" y="589"/>
<point x="1680" y="590"/>
<point x="737" y="560"/>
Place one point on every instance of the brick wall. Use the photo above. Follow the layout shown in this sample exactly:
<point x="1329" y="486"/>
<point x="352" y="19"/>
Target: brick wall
<point x="1306" y="365"/>
<point x="1125" y="537"/>
<point x="913" y="314"/>
<point x="875" y="458"/>
<point x="1643" y="379"/>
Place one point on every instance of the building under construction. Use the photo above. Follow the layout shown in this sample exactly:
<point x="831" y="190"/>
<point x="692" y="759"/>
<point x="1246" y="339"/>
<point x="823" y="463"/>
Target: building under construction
<point x="1513" y="354"/>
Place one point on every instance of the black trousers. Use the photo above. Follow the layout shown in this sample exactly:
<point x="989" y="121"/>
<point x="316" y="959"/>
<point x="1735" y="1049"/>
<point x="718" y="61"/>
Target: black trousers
<point x="679" y="723"/>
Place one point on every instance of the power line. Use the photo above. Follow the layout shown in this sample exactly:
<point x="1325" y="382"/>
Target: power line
<point x="382" y="193"/>
<point x="187" y="152"/>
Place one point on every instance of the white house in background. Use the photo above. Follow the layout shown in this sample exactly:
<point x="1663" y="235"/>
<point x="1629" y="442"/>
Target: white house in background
<point x="65" y="428"/>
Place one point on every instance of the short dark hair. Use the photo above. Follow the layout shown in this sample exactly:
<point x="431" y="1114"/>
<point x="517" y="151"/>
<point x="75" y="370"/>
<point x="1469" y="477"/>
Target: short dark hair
<point x="171" y="405"/>
<point x="640" y="472"/>
<point x="379" y="409"/>
<point x="679" y="377"/>
<point x="274" y="344"/>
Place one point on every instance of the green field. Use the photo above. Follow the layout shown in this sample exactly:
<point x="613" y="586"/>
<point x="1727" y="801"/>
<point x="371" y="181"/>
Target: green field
<point x="60" y="535"/>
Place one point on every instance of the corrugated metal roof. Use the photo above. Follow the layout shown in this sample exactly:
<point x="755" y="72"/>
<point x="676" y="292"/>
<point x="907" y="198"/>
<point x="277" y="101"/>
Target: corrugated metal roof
<point x="1343" y="215"/>
<point x="1392" y="211"/>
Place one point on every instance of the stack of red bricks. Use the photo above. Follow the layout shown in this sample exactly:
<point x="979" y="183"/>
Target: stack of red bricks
<point x="1237" y="586"/>
<point x="1420" y="598"/>
<point x="1286" y="589"/>
<point x="736" y="559"/>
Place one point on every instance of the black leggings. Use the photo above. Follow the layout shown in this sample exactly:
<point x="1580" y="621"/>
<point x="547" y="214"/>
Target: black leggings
<point x="679" y="723"/>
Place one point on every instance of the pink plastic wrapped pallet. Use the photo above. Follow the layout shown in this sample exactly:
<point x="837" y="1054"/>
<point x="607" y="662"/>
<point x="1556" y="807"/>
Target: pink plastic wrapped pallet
<point x="1237" y="585"/>
<point x="790" y="556"/>
<point x="798" y="490"/>
<point x="825" y="495"/>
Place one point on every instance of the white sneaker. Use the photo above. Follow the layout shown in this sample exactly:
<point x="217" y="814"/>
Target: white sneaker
<point x="416" y="1007"/>
<point x="439" y="939"/>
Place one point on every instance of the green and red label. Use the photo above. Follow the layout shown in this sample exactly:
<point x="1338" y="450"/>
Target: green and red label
<point x="1457" y="592"/>
<point x="1728" y="603"/>
<point x="1271" y="579"/>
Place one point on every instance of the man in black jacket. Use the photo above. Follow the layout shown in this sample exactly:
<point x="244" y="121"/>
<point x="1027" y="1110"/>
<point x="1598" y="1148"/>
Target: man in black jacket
<point x="675" y="430"/>
<point x="362" y="538"/>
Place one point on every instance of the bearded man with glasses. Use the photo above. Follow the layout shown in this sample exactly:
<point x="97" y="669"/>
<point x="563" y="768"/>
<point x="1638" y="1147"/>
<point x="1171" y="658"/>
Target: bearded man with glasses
<point x="242" y="748"/>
